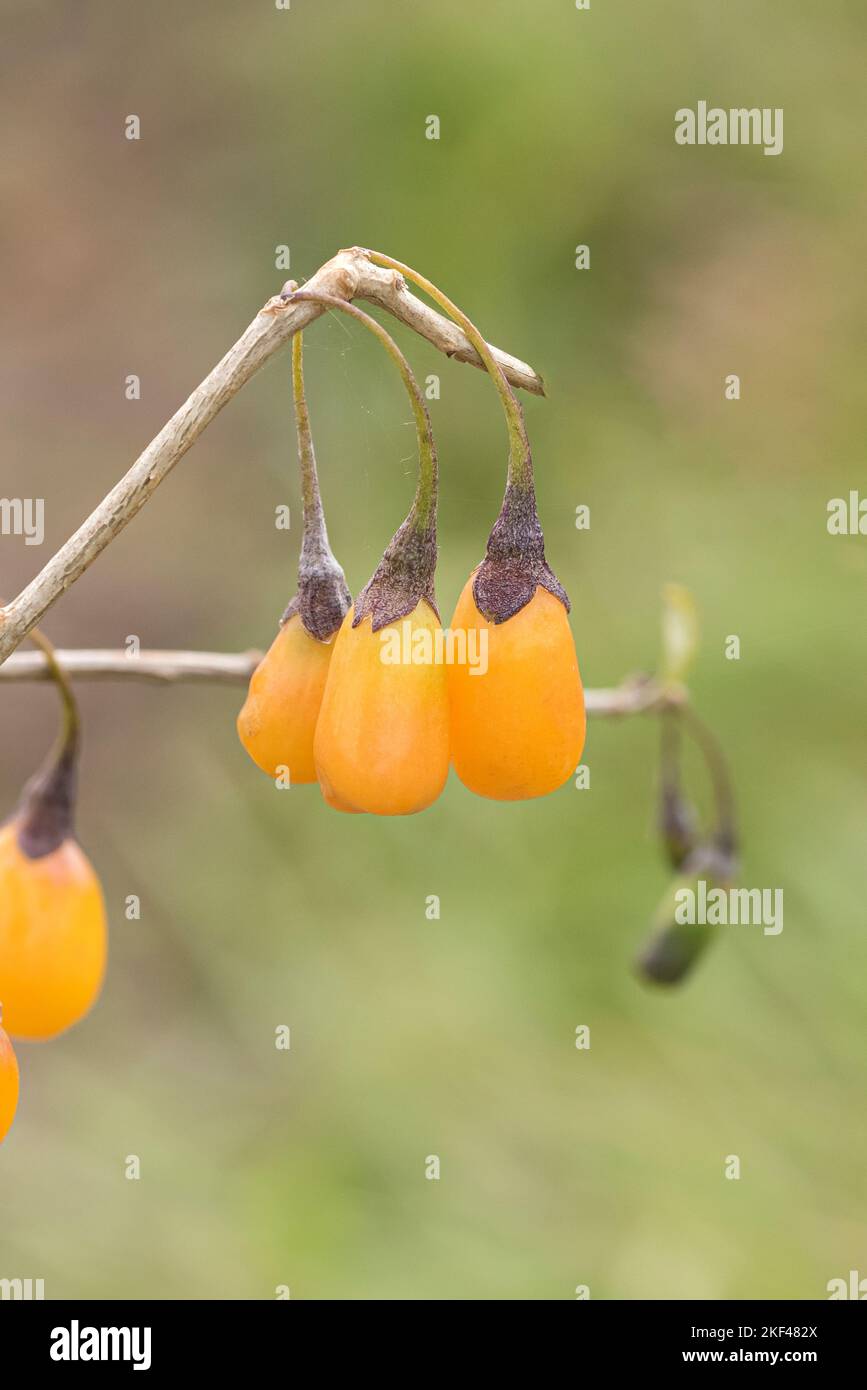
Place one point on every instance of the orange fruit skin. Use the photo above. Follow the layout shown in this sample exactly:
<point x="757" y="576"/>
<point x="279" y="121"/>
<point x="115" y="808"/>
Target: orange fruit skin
<point x="333" y="800"/>
<point x="382" y="741"/>
<point x="518" y="729"/>
<point x="278" y="720"/>
<point x="53" y="938"/>
<point x="8" y="1085"/>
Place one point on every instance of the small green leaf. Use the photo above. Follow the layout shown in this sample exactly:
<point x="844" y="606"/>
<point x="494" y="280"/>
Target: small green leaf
<point x="680" y="633"/>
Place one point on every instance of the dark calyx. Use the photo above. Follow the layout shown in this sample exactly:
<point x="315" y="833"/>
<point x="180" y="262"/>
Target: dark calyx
<point x="323" y="598"/>
<point x="403" y="577"/>
<point x="46" y="813"/>
<point x="515" y="563"/>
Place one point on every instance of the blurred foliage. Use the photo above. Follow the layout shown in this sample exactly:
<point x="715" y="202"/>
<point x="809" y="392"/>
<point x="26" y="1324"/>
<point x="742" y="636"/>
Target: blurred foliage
<point x="455" y="1037"/>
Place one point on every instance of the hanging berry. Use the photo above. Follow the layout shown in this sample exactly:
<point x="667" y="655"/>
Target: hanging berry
<point x="278" y="720"/>
<point x="709" y="855"/>
<point x="382" y="740"/>
<point x="53" y="934"/>
<point x="8" y="1083"/>
<point x="675" y="946"/>
<point x="518" y="731"/>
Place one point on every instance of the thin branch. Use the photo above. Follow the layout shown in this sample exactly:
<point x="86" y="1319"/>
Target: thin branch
<point x="163" y="667"/>
<point x="634" y="696"/>
<point x="388" y="290"/>
<point x="348" y="275"/>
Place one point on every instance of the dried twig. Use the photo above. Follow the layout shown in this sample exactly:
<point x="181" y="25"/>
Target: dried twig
<point x="162" y="667"/>
<point x="635" y="696"/>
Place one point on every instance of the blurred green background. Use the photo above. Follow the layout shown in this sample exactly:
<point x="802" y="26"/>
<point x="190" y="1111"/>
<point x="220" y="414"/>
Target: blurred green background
<point x="559" y="1167"/>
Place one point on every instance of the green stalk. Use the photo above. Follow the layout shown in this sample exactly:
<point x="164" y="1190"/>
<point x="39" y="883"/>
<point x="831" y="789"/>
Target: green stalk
<point x="315" y="531"/>
<point x="70" y="730"/>
<point x="323" y="598"/>
<point x="514" y="566"/>
<point x="676" y="819"/>
<point x="46" y="812"/>
<point x="724" y="799"/>
<point x="520" y="460"/>
<point x="423" y="513"/>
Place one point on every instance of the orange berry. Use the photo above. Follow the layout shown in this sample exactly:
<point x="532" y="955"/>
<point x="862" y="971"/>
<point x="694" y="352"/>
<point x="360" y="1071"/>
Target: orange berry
<point x="278" y="720"/>
<point x="382" y="741"/>
<point x="8" y="1085"/>
<point x="518" y="729"/>
<point x="53" y="936"/>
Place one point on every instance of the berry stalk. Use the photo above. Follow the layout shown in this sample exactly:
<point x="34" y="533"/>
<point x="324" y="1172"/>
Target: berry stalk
<point x="406" y="573"/>
<point x="520" y="459"/>
<point x="315" y="545"/>
<point x="425" y="503"/>
<point x="47" y="809"/>
<point x="323" y="597"/>
<point x="514" y="565"/>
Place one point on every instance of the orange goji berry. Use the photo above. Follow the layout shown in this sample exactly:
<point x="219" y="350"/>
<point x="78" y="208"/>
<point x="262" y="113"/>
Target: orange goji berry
<point x="518" y="730"/>
<point x="53" y="936"/>
<point x="382" y="741"/>
<point x="278" y="719"/>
